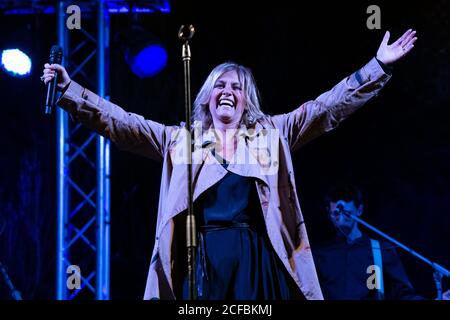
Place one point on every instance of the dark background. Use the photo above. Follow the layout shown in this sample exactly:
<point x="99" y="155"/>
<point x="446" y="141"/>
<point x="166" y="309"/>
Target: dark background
<point x="396" y="147"/>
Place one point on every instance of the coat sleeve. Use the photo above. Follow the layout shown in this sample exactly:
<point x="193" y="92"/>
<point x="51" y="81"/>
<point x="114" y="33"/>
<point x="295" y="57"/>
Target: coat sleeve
<point x="129" y="131"/>
<point x="323" y="114"/>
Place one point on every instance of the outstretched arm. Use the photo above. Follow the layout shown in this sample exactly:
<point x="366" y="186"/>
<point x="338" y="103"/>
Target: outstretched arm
<point x="389" y="54"/>
<point x="323" y="114"/>
<point x="129" y="131"/>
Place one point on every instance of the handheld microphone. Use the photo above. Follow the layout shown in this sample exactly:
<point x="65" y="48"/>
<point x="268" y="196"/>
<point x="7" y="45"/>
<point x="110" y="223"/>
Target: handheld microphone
<point x="55" y="57"/>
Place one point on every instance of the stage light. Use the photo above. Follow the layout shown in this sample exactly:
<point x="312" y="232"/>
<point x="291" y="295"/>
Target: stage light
<point x="16" y="63"/>
<point x="143" y="51"/>
<point x="148" y="61"/>
<point x="152" y="6"/>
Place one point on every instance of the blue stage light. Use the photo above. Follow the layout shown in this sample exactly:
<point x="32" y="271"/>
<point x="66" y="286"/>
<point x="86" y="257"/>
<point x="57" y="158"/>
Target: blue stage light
<point x="16" y="62"/>
<point x="26" y="7"/>
<point x="148" y="61"/>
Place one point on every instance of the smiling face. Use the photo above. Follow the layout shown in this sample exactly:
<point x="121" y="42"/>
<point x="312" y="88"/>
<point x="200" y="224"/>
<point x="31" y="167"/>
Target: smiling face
<point x="226" y="103"/>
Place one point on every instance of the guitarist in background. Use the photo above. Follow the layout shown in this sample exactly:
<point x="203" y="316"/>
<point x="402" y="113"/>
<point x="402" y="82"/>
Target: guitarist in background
<point x="345" y="266"/>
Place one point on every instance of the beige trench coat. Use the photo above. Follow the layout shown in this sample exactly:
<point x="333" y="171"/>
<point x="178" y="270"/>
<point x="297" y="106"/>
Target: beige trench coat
<point x="277" y="191"/>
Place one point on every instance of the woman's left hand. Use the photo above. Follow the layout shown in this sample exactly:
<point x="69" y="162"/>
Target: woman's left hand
<point x="389" y="54"/>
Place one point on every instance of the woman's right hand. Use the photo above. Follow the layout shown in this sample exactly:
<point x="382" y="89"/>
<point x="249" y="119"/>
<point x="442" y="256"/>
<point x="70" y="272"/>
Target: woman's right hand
<point x="49" y="73"/>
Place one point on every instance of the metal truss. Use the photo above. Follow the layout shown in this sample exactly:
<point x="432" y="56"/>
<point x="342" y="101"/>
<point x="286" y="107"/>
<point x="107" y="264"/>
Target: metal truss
<point x="83" y="157"/>
<point x="83" y="186"/>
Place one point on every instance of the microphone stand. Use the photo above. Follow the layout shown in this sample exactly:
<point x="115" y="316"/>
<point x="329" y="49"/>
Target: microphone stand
<point x="185" y="34"/>
<point x="438" y="271"/>
<point x="15" y="294"/>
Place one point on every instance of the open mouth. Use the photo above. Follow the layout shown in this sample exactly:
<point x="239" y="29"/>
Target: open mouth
<point x="226" y="103"/>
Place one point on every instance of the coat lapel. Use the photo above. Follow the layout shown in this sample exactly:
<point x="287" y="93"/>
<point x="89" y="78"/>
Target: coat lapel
<point x="248" y="161"/>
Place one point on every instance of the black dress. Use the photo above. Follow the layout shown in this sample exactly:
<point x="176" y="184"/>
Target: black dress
<point x="236" y="260"/>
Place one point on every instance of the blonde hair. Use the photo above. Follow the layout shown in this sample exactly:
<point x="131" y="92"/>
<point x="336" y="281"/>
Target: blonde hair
<point x="252" y="112"/>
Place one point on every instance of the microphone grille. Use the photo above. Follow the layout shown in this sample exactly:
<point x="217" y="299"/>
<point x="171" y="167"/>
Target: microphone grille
<point x="55" y="54"/>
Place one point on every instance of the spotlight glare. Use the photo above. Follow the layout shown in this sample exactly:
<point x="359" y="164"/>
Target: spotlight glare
<point x="149" y="61"/>
<point x="16" y="63"/>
